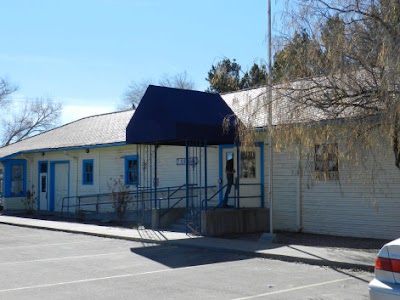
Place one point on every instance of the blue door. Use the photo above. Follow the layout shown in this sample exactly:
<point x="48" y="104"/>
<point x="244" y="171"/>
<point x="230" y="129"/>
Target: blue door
<point x="59" y="184"/>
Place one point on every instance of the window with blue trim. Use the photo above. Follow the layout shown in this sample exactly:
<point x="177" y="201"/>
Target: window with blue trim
<point x="15" y="178"/>
<point x="87" y="171"/>
<point x="131" y="170"/>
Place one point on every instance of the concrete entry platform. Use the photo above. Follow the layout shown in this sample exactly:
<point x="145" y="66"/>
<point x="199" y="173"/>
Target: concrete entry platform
<point x="231" y="220"/>
<point x="219" y="221"/>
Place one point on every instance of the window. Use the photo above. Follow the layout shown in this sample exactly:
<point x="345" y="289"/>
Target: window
<point x="43" y="167"/>
<point x="15" y="178"/>
<point x="326" y="158"/>
<point x="43" y="183"/>
<point x="87" y="168"/>
<point x="247" y="164"/>
<point x="1" y="183"/>
<point x="131" y="170"/>
<point x="43" y="176"/>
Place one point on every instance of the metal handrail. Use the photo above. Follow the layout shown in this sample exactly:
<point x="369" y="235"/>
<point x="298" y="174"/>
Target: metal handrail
<point x="169" y="196"/>
<point x="216" y="193"/>
<point x="140" y="190"/>
<point x="183" y="197"/>
<point x="240" y="197"/>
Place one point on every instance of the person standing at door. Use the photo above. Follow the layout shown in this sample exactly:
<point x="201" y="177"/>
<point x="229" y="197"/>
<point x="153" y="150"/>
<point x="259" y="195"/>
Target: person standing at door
<point x="230" y="171"/>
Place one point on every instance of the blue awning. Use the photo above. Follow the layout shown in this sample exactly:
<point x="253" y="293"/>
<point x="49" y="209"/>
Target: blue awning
<point x="174" y="116"/>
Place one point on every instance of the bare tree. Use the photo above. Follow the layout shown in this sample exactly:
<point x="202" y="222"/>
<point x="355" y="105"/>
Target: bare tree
<point x="136" y="90"/>
<point x="180" y="81"/>
<point x="351" y="71"/>
<point x="134" y="94"/>
<point x="6" y="89"/>
<point x="36" y="116"/>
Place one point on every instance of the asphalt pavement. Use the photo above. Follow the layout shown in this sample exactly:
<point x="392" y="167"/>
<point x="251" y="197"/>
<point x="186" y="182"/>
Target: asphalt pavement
<point x="264" y="246"/>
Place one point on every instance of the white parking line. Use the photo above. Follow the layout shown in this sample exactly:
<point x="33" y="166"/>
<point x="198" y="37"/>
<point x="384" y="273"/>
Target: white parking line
<point x="54" y="244"/>
<point x="16" y="237"/>
<point x="294" y="289"/>
<point x="89" y="280"/>
<point x="62" y="258"/>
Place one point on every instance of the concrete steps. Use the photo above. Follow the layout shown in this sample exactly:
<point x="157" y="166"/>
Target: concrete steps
<point x="179" y="225"/>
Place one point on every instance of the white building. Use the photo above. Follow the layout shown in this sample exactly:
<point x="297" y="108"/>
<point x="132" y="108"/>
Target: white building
<point x="76" y="168"/>
<point x="65" y="165"/>
<point x="317" y="193"/>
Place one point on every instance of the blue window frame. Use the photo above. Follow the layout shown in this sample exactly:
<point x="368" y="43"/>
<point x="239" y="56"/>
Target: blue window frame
<point x="131" y="170"/>
<point x="15" y="178"/>
<point x="87" y="171"/>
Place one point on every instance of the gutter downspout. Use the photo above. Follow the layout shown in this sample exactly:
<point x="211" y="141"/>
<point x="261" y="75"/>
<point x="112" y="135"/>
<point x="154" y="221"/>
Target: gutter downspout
<point x="77" y="175"/>
<point x="299" y="203"/>
<point x="30" y="187"/>
<point x="30" y="160"/>
<point x="155" y="178"/>
<point x="99" y="166"/>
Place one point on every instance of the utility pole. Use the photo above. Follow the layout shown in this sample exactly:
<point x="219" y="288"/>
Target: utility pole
<point x="269" y="101"/>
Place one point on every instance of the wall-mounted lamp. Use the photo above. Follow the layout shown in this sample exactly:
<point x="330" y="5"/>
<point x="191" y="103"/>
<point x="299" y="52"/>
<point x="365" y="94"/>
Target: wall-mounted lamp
<point x="42" y="153"/>
<point x="87" y="150"/>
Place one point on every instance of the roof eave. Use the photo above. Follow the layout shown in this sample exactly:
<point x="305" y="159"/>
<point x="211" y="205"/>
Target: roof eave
<point x="10" y="156"/>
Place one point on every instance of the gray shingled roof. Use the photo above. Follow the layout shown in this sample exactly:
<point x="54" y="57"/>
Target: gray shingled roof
<point x="249" y="105"/>
<point x="294" y="102"/>
<point x="91" y="131"/>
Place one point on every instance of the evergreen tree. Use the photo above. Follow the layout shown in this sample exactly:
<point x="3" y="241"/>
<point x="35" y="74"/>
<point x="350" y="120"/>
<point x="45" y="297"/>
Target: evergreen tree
<point x="224" y="77"/>
<point x="300" y="57"/>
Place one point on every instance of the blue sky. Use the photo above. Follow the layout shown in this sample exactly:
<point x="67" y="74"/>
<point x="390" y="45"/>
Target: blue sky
<point x="85" y="53"/>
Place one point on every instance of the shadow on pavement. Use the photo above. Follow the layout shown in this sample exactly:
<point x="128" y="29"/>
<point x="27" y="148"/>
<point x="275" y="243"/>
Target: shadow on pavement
<point x="181" y="257"/>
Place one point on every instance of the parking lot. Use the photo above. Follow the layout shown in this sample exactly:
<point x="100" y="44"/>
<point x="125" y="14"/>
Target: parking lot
<point x="43" y="264"/>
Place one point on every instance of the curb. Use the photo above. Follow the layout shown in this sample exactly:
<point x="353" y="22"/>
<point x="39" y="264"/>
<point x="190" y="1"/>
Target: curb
<point x="105" y="235"/>
<point x="309" y="261"/>
<point x="286" y="258"/>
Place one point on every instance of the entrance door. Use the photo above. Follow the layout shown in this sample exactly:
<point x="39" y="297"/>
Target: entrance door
<point x="43" y="186"/>
<point x="249" y="175"/>
<point x="59" y="184"/>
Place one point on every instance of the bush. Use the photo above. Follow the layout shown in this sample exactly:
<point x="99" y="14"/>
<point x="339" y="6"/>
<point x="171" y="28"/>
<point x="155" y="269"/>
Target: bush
<point x="120" y="196"/>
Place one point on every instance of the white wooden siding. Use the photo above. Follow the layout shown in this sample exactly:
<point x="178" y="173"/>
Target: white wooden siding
<point x="171" y="174"/>
<point x="284" y="190"/>
<point x="365" y="202"/>
<point x="109" y="163"/>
